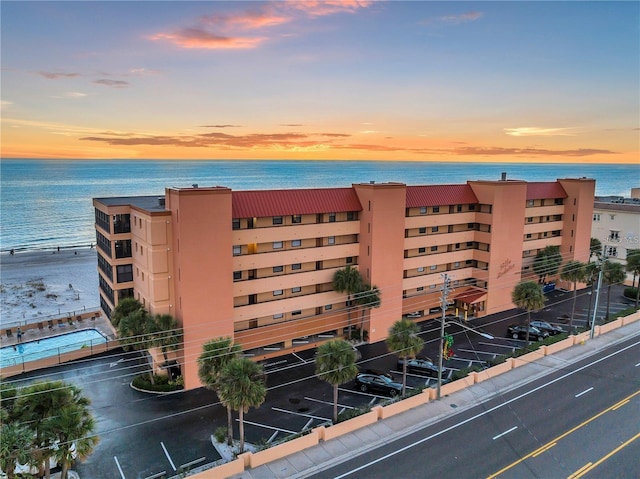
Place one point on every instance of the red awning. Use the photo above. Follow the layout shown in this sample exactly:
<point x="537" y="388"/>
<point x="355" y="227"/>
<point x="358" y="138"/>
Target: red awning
<point x="472" y="296"/>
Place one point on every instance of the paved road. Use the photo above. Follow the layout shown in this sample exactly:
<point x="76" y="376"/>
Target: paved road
<point x="550" y="428"/>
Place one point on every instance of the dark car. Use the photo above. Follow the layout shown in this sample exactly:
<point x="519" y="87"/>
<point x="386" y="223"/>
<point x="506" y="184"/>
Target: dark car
<point x="377" y="383"/>
<point x="422" y="366"/>
<point x="517" y="331"/>
<point x="548" y="327"/>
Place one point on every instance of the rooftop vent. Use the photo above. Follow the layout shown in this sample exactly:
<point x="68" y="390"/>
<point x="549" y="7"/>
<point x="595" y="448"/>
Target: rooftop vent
<point x="504" y="176"/>
<point x="161" y="201"/>
<point x="195" y="185"/>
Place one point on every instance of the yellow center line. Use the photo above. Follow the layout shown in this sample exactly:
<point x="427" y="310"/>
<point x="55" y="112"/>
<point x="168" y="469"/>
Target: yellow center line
<point x="570" y="431"/>
<point x="543" y="449"/>
<point x="590" y="466"/>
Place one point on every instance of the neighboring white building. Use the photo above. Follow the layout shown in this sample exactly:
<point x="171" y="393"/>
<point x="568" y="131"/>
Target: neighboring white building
<point x="616" y="223"/>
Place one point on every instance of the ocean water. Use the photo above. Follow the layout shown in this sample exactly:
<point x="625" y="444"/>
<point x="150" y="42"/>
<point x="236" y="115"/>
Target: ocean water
<point x="47" y="203"/>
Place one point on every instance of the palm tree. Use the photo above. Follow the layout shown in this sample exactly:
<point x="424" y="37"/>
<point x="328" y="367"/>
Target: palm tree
<point x="133" y="330"/>
<point x="73" y="426"/>
<point x="528" y="295"/>
<point x="368" y="297"/>
<point x="241" y="386"/>
<point x="595" y="248"/>
<point x="36" y="406"/>
<point x="547" y="262"/>
<point x="336" y="364"/>
<point x="15" y="447"/>
<point x="633" y="266"/>
<point x="165" y="333"/>
<point x="612" y="273"/>
<point x="573" y="271"/>
<point x="403" y="340"/>
<point x="124" y="308"/>
<point x="216" y="354"/>
<point x="347" y="280"/>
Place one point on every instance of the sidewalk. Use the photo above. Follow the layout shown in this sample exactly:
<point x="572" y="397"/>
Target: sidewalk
<point x="333" y="452"/>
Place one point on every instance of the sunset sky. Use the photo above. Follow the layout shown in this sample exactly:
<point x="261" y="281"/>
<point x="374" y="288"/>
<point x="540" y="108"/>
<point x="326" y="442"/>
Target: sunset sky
<point x="354" y="79"/>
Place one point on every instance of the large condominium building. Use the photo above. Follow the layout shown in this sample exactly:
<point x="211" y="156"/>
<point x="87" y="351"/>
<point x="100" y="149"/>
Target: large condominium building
<point x="258" y="266"/>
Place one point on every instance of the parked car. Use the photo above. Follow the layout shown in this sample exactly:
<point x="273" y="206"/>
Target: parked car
<point x="422" y="366"/>
<point x="548" y="327"/>
<point x="415" y="314"/>
<point x="517" y="331"/>
<point x="377" y="383"/>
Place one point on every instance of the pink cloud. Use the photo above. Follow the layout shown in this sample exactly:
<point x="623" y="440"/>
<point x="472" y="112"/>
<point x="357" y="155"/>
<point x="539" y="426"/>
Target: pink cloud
<point x="461" y="18"/>
<point x="317" y="8"/>
<point x="112" y="83"/>
<point x="56" y="75"/>
<point x="249" y="20"/>
<point x="199" y="38"/>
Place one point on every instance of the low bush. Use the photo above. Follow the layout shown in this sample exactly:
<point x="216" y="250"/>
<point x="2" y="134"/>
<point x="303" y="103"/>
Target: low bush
<point x="630" y="293"/>
<point x="159" y="384"/>
<point x="351" y="413"/>
<point x="220" y="434"/>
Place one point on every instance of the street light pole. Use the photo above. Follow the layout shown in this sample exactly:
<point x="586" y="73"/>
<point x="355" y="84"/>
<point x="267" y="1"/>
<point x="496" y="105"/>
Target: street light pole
<point x="443" y="306"/>
<point x="595" y="309"/>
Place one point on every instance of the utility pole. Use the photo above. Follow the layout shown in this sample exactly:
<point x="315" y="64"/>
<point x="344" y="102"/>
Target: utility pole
<point x="444" y="304"/>
<point x="595" y="309"/>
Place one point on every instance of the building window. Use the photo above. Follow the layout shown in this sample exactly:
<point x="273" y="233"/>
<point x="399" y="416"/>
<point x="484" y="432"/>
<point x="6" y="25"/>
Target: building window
<point x="457" y="245"/>
<point x="559" y="201"/>
<point x="530" y="202"/>
<point x="296" y="289"/>
<point x="278" y="269"/>
<point x="423" y="210"/>
<point x="434" y="229"/>
<point x="277" y="292"/>
<point x="614" y="235"/>
<point x="296" y="243"/>
<point x="295" y="266"/>
<point x="235" y="224"/>
<point x="421" y="269"/>
<point x="433" y="267"/>
<point x="328" y="307"/>
<point x="277" y="245"/>
<point x="472" y="207"/>
<point x="436" y="209"/>
<point x="350" y="217"/>
<point x="296" y="313"/>
<point x="422" y="250"/>
<point x="596" y="217"/>
<point x="349" y="259"/>
<point x="432" y="286"/>
<point x="528" y="236"/>
<point x="277" y="220"/>
<point x="295" y="219"/>
<point x="612" y="251"/>
<point x="420" y="288"/>
<point x="530" y="219"/>
<point x="422" y="230"/>
<point x="331" y="240"/>
<point x="469" y="243"/>
<point x="237" y="275"/>
<point x="613" y="217"/>
<point x="278" y="316"/>
<point x="471" y="225"/>
<point x="459" y="208"/>
<point x="237" y="250"/>
<point x="332" y="217"/>
<point x="457" y="264"/>
<point x="434" y="248"/>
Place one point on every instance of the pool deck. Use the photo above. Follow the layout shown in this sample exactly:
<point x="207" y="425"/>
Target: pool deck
<point x="59" y="326"/>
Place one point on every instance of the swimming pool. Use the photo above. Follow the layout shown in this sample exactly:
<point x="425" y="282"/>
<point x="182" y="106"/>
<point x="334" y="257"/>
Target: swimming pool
<point x="51" y="346"/>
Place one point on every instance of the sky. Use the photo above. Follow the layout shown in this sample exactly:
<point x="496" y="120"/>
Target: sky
<point x="352" y="80"/>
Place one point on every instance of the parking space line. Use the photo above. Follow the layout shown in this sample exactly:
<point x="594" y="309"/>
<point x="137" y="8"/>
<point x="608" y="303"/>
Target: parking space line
<point x="273" y="437"/>
<point x="269" y="427"/>
<point x="472" y="351"/>
<point x="637" y="365"/>
<point x="295" y="413"/>
<point x="168" y="456"/>
<point x="119" y="468"/>
<point x="506" y="432"/>
<point x="330" y="403"/>
<point x="583" y="392"/>
<point x="294" y="354"/>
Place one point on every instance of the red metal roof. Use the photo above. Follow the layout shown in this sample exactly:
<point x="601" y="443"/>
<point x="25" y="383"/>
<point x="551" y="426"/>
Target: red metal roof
<point x="255" y="204"/>
<point x="544" y="190"/>
<point x="436" y="195"/>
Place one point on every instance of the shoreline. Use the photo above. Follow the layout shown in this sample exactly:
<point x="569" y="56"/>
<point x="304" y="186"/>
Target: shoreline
<point x="36" y="285"/>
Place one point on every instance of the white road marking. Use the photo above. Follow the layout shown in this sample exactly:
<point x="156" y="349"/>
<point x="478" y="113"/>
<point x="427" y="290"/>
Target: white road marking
<point x="116" y="363"/>
<point x="270" y="427"/>
<point x="119" y="468"/>
<point x="583" y="392"/>
<point x="168" y="456"/>
<point x="506" y="432"/>
<point x="637" y="364"/>
<point x="192" y="463"/>
<point x="327" y="402"/>
<point x="300" y="414"/>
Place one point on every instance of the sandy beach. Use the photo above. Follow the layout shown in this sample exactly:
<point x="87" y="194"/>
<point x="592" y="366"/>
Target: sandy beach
<point x="37" y="285"/>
